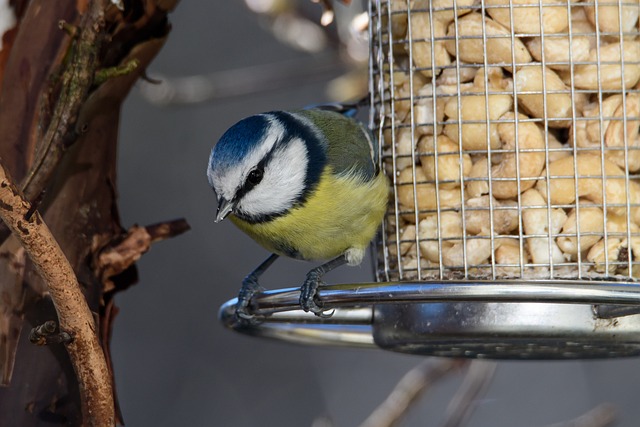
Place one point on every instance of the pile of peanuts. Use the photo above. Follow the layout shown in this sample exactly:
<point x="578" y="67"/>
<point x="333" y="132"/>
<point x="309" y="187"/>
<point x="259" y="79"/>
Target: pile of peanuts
<point x="514" y="152"/>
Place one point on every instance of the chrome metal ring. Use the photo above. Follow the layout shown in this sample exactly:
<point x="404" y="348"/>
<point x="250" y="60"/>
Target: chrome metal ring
<point x="503" y="319"/>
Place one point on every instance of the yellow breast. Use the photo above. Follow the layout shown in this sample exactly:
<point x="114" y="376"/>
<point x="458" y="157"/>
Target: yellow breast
<point x="342" y="213"/>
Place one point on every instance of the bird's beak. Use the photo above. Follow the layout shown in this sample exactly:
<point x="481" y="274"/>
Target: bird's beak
<point x="224" y="209"/>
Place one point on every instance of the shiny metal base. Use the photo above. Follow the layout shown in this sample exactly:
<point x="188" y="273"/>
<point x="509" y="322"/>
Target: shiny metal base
<point x="497" y="320"/>
<point x="505" y="331"/>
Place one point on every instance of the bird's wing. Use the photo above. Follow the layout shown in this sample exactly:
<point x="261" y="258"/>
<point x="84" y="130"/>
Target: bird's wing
<point x="352" y="148"/>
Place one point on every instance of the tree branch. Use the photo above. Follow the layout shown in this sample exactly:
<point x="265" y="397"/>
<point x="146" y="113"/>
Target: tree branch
<point x="118" y="256"/>
<point x="603" y="415"/>
<point x="409" y="389"/>
<point x="478" y="378"/>
<point x="76" y="79"/>
<point x="74" y="315"/>
<point x="240" y="82"/>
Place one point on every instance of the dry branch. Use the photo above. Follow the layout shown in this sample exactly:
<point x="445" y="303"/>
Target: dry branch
<point x="240" y="82"/>
<point x="414" y="383"/>
<point x="603" y="415"/>
<point x="76" y="79"/>
<point x="74" y="315"/>
<point x="117" y="258"/>
<point x="479" y="375"/>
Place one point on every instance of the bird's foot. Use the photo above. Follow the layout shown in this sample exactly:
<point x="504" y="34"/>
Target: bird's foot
<point x="250" y="287"/>
<point x="309" y="296"/>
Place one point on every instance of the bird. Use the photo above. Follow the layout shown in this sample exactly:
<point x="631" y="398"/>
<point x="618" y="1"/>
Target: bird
<point x="304" y="184"/>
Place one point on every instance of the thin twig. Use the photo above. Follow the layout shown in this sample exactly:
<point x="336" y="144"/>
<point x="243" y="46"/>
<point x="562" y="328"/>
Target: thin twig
<point x="167" y="229"/>
<point x="478" y="378"/>
<point x="603" y="415"/>
<point x="414" y="383"/>
<point x="74" y="315"/>
<point x="118" y="256"/>
<point x="45" y="334"/>
<point x="239" y="82"/>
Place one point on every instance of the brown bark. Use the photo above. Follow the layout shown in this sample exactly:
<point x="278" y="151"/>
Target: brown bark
<point x="75" y="319"/>
<point x="53" y="100"/>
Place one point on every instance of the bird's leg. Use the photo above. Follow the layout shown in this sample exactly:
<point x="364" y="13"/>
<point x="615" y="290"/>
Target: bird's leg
<point x="250" y="286"/>
<point x="309" y="289"/>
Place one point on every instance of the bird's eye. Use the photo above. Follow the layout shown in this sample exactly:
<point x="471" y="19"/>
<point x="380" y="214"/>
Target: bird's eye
<point x="255" y="176"/>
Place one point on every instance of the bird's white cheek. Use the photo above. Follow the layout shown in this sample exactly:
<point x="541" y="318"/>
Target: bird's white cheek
<point x="283" y="182"/>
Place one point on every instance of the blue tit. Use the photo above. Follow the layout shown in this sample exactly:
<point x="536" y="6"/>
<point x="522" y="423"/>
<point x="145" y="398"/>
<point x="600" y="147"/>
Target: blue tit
<point x="303" y="184"/>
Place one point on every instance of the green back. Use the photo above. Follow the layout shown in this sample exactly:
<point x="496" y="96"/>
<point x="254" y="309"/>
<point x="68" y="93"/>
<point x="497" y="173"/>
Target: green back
<point x="350" y="145"/>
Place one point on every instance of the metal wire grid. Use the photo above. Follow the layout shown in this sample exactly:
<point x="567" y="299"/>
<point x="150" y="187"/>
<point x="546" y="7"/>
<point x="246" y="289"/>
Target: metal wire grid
<point x="400" y="95"/>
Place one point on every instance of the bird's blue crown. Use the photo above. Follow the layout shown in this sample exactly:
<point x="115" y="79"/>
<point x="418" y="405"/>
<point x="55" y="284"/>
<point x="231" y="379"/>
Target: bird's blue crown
<point x="238" y="141"/>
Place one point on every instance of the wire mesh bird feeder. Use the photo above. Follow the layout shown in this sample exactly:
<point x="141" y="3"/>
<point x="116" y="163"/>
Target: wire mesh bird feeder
<point x="510" y="132"/>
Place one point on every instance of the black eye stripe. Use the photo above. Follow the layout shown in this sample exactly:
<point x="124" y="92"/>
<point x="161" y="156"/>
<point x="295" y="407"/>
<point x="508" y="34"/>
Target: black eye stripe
<point x="248" y="184"/>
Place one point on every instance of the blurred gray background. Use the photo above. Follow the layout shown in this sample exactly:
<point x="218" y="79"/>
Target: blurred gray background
<point x="176" y="365"/>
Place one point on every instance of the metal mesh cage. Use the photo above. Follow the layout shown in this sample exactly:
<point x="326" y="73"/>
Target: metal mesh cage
<point x="513" y="151"/>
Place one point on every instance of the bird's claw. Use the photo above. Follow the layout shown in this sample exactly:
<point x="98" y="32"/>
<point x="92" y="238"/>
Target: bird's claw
<point x="309" y="298"/>
<point x="310" y="305"/>
<point x="249" y="288"/>
<point x="325" y="313"/>
<point x="244" y="315"/>
<point x="313" y="307"/>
